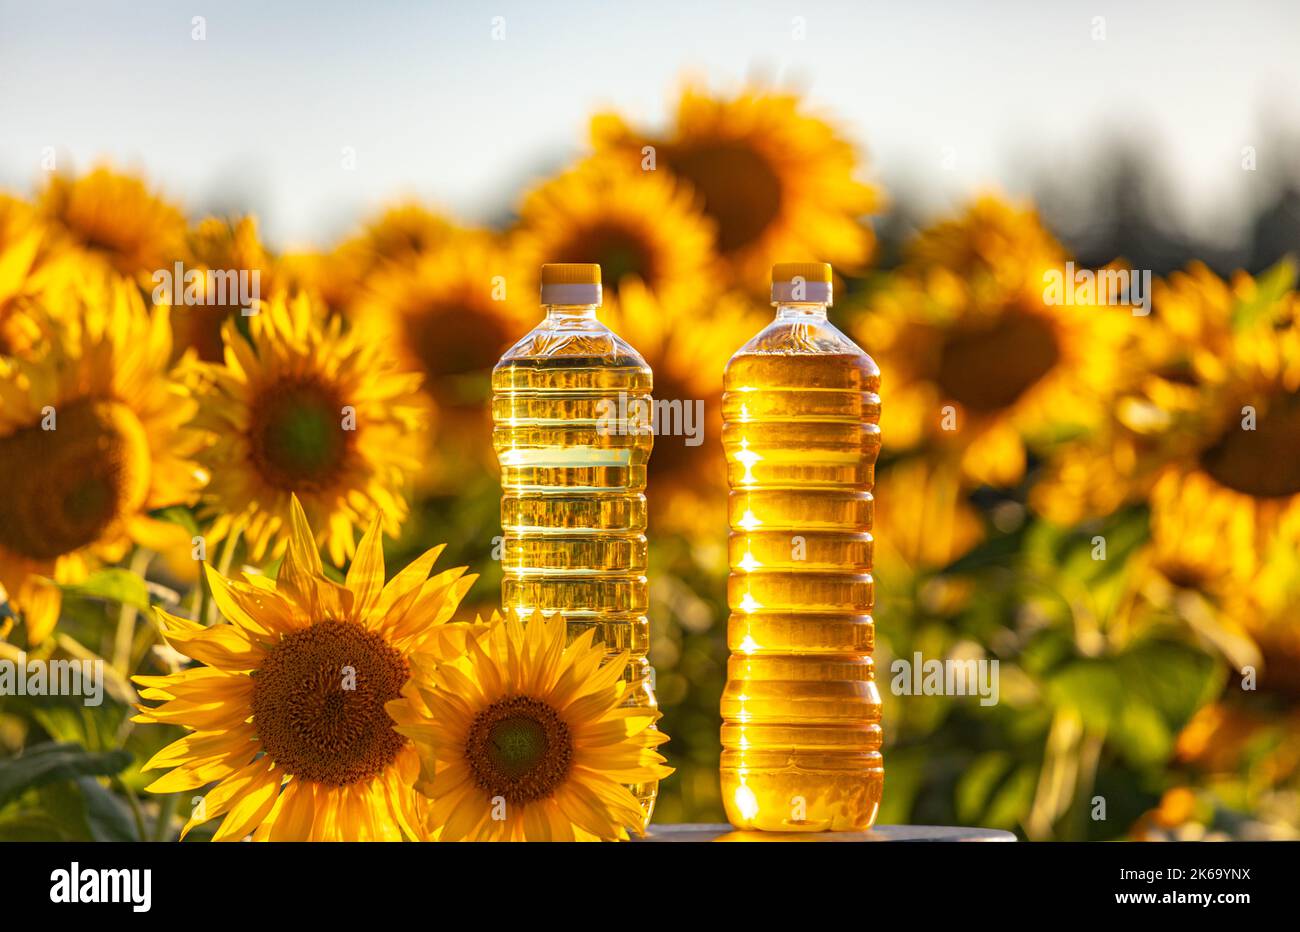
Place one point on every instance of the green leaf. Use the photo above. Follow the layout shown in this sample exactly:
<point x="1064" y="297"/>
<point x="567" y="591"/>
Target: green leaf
<point x="178" y="515"/>
<point x="1173" y="679"/>
<point x="49" y="763"/>
<point x="113" y="585"/>
<point x="83" y="810"/>
<point x="1142" y="697"/>
<point x="107" y="816"/>
<point x="1269" y="290"/>
<point x="1012" y="800"/>
<point x="1093" y="686"/>
<point x="995" y="551"/>
<point x="1142" y="736"/>
<point x="978" y="783"/>
<point x="34" y="826"/>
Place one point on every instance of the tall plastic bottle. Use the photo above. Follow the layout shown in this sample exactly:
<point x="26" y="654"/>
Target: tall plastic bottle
<point x="571" y="413"/>
<point x="801" y="730"/>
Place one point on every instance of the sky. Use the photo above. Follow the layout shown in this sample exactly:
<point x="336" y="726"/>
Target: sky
<point x="946" y="98"/>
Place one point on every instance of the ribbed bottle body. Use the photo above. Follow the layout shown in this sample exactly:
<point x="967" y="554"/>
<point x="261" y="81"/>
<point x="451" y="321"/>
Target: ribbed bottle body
<point x="801" y="711"/>
<point x="573" y="446"/>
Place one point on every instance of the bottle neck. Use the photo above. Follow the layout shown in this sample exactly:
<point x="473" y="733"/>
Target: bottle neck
<point x="801" y="310"/>
<point x="571" y="311"/>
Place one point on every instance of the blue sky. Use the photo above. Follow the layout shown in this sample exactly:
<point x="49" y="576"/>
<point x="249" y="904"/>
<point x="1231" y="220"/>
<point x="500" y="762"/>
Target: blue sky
<point x="945" y="97"/>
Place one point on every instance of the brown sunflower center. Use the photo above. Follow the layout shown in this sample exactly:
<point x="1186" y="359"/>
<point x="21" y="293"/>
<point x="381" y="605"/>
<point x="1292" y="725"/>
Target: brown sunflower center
<point x="1262" y="462"/>
<point x="298" y="437"/>
<point x="199" y="327"/>
<point x="61" y="487"/>
<point x="519" y="749"/>
<point x="987" y="369"/>
<point x="318" y="703"/>
<point x="740" y="189"/>
<point x="619" y="251"/>
<point x="455" y="356"/>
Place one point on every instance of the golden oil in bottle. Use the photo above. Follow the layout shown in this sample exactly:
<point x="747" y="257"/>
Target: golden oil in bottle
<point x="571" y="409"/>
<point x="801" y="730"/>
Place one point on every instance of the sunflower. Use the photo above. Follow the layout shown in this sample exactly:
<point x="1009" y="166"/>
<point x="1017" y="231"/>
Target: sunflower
<point x="403" y="232"/>
<point x="91" y="441"/>
<point x="117" y="219"/>
<point x="1167" y="359"/>
<point x="1205" y="432"/>
<point x="637" y="225"/>
<point x="923" y="518"/>
<point x="340" y="278"/>
<point x="334" y="279"/>
<point x="524" y="739"/>
<point x="287" y="715"/>
<point x="776" y="181"/>
<point x="450" y="313"/>
<point x="225" y="246"/>
<point x="30" y="262"/>
<point x="979" y="363"/>
<point x="301" y="407"/>
<point x="687" y="351"/>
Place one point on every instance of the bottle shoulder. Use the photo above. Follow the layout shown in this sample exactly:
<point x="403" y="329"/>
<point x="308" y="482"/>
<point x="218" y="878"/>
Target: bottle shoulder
<point x="588" y="340"/>
<point x="809" y="345"/>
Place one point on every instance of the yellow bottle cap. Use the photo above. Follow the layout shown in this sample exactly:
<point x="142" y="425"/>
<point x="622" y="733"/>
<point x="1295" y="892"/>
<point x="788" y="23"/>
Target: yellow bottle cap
<point x="571" y="273"/>
<point x="571" y="283"/>
<point x="801" y="282"/>
<point x="808" y="271"/>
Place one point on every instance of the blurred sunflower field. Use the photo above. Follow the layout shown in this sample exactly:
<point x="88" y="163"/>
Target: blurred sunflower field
<point x="1105" y="502"/>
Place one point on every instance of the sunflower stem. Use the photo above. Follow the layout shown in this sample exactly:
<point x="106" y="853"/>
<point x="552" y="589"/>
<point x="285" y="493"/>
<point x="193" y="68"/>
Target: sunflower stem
<point x="135" y="809"/>
<point x="124" y="638"/>
<point x="166" y="810"/>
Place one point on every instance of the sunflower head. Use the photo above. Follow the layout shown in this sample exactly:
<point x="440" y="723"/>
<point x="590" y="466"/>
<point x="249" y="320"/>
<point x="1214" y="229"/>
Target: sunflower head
<point x="639" y="226"/>
<point x="1203" y="429"/>
<point x="402" y="232"/>
<point x="775" y="180"/>
<point x="449" y="314"/>
<point x="300" y="407"/>
<point x="117" y="219"/>
<point x="686" y="347"/>
<point x="980" y="363"/>
<point x="92" y="439"/>
<point x="218" y="245"/>
<point x="31" y="261"/>
<point x="287" y="715"/>
<point x="525" y="739"/>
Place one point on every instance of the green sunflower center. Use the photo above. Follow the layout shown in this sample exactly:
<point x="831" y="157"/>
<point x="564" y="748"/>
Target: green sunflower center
<point x="740" y="189"/>
<point x="520" y="749"/>
<point x="298" y="438"/>
<point x="62" y="487"/>
<point x="987" y="369"/>
<point x="318" y="703"/>
<point x="1262" y="462"/>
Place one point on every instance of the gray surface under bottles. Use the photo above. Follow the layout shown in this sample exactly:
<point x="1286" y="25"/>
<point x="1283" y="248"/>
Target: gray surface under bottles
<point x="697" y="832"/>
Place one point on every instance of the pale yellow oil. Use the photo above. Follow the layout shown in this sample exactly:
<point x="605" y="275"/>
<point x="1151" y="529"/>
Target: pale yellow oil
<point x="573" y="447"/>
<point x="801" y="729"/>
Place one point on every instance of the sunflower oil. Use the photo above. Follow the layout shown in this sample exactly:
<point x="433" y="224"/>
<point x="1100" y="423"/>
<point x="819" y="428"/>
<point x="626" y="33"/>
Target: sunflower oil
<point x="571" y="410"/>
<point x="801" y="730"/>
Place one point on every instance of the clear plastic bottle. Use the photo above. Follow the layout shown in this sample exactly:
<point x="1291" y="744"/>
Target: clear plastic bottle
<point x="801" y="712"/>
<point x="571" y="410"/>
